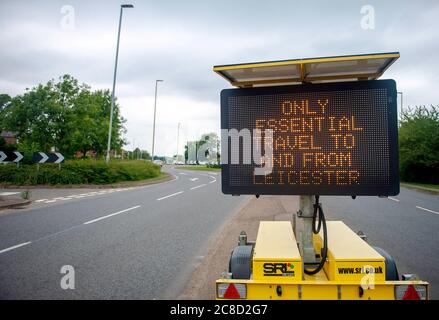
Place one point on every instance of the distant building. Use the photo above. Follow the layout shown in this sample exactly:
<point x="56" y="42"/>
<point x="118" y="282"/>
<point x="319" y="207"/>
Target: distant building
<point x="10" y="137"/>
<point x="169" y="160"/>
<point x="88" y="154"/>
<point x="178" y="159"/>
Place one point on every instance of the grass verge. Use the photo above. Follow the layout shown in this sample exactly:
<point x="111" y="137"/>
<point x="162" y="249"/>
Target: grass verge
<point x="421" y="186"/>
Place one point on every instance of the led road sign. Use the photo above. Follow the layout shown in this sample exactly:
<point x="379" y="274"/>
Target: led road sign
<point x="325" y="139"/>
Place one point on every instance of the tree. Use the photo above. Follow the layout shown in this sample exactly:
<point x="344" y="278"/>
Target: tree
<point x="63" y="115"/>
<point x="419" y="145"/>
<point x="5" y="102"/>
<point x="31" y="116"/>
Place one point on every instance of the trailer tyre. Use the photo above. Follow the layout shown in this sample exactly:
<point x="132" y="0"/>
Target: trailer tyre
<point x="240" y="262"/>
<point x="391" y="270"/>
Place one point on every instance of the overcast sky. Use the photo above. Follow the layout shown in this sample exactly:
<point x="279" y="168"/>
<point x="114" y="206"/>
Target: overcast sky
<point x="180" y="42"/>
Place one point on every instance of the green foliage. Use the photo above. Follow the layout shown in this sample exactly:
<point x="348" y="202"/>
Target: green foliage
<point x="213" y="165"/>
<point x="64" y="115"/>
<point x="419" y="145"/>
<point x="2" y="143"/>
<point x="26" y="194"/>
<point x="5" y="101"/>
<point x="79" y="172"/>
<point x="138" y="154"/>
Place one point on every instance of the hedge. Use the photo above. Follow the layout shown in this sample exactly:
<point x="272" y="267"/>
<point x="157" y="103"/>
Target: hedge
<point x="78" y="172"/>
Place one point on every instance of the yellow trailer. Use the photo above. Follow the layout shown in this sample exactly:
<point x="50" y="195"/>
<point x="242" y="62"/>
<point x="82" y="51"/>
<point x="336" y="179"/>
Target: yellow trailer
<point x="353" y="270"/>
<point x="326" y="259"/>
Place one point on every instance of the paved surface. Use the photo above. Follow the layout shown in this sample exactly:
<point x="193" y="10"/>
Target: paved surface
<point x="406" y="226"/>
<point x="134" y="243"/>
<point x="397" y="224"/>
<point x="144" y="242"/>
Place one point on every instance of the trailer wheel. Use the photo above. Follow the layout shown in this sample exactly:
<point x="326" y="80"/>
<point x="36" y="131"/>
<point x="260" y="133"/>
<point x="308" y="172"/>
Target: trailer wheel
<point x="240" y="265"/>
<point x="391" y="270"/>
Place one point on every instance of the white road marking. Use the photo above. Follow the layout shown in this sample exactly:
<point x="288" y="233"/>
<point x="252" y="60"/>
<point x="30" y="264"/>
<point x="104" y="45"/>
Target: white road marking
<point x="194" y="179"/>
<point x="95" y="193"/>
<point x="110" y="215"/>
<point x="427" y="210"/>
<point x="214" y="179"/>
<point x="171" y="195"/>
<point x="393" y="199"/>
<point x="183" y="174"/>
<point x="15" y="247"/>
<point x="8" y="193"/>
<point x="201" y="185"/>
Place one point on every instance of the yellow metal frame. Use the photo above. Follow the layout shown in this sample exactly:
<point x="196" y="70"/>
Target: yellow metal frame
<point x="276" y="245"/>
<point x="302" y="63"/>
<point x="319" y="290"/>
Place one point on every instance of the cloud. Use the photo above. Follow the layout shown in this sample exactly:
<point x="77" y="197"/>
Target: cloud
<point x="180" y="42"/>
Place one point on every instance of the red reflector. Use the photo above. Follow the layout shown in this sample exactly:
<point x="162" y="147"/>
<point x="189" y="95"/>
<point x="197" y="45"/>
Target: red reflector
<point x="411" y="294"/>
<point x="231" y="292"/>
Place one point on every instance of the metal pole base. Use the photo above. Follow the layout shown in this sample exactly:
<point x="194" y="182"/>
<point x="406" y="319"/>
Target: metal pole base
<point x="306" y="211"/>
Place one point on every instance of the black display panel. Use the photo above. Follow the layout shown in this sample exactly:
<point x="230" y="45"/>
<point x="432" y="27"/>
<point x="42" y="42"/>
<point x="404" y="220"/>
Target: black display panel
<point x="327" y="139"/>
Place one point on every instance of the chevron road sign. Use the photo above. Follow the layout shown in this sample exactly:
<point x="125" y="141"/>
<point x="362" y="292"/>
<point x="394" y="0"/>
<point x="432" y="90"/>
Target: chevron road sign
<point x="10" y="156"/>
<point x="43" y="157"/>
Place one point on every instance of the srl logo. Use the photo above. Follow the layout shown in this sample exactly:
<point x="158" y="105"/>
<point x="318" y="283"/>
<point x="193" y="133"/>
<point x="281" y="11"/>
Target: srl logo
<point x="271" y="269"/>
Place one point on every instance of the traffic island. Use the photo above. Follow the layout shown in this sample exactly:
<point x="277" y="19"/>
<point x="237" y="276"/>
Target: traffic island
<point x="10" y="202"/>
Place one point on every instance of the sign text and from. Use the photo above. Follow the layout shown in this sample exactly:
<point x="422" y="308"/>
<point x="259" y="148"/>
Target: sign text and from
<point x="338" y="139"/>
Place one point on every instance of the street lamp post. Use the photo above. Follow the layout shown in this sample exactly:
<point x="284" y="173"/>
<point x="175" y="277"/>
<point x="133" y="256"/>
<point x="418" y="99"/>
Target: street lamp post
<point x="153" y="126"/>
<point x="107" y="159"/>
<point x="402" y="106"/>
<point x="178" y="137"/>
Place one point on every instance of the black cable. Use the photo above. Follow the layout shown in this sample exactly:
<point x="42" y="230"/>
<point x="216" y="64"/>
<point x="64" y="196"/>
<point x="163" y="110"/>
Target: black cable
<point x="318" y="211"/>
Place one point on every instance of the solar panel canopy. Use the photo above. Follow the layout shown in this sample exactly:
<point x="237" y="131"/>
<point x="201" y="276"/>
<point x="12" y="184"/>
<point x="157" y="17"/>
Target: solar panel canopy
<point x="309" y="70"/>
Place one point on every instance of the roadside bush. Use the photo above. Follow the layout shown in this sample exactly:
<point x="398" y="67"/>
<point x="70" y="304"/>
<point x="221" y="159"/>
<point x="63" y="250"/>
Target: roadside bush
<point x="79" y="172"/>
<point x="419" y="145"/>
<point x="213" y="165"/>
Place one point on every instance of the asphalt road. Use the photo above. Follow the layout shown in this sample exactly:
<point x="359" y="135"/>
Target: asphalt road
<point x="144" y="242"/>
<point x="134" y="243"/>
<point x="406" y="226"/>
